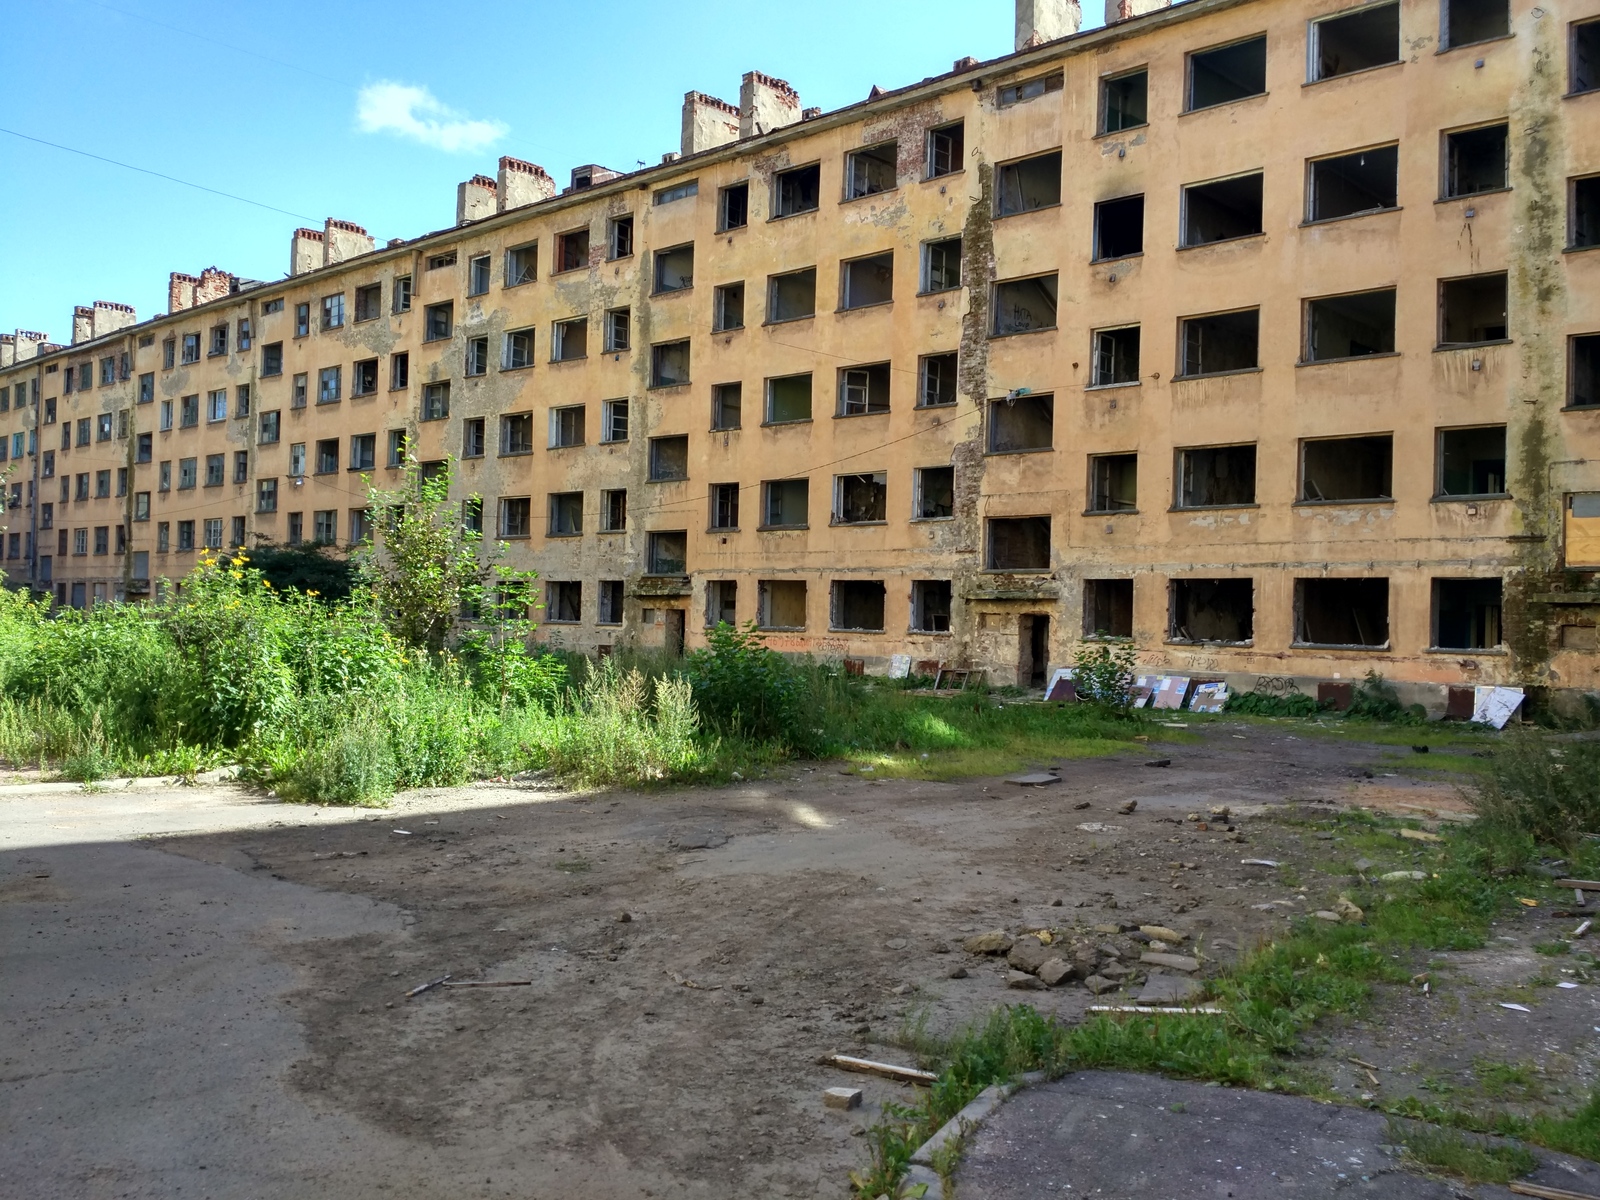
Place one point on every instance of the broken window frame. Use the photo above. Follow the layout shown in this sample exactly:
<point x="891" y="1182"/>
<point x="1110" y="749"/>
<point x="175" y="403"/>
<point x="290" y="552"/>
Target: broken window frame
<point x="610" y="603"/>
<point x="991" y="527"/>
<point x="563" y="521"/>
<point x="561" y="334"/>
<point x="397" y="448"/>
<point x="1095" y="605"/>
<point x="722" y="513"/>
<point x="1022" y="90"/>
<point x="765" y="606"/>
<point x="518" y="350"/>
<point x="567" y="426"/>
<point x="1174" y="630"/>
<point x="666" y="465"/>
<point x="659" y="557"/>
<point x="932" y="601"/>
<point x="1100" y="252"/>
<point x="478" y="272"/>
<point x="1300" y="637"/>
<point x="1310" y="308"/>
<point x="725" y="315"/>
<point x="1583" y="226"/>
<point x="721" y="408"/>
<point x="368" y="302"/>
<point x="616" y="325"/>
<point x="722" y="602"/>
<point x="1440" y="494"/>
<point x="1493" y="627"/>
<point x="1181" y="476"/>
<point x="364" y="377"/>
<point x="1446" y="42"/>
<point x="1450" y="169"/>
<point x="1581" y="374"/>
<point x="1189" y="59"/>
<point x="664" y="355"/>
<point x="854" y="294"/>
<point x="796" y="191"/>
<point x="1105" y="495"/>
<point x="992" y="426"/>
<point x="475" y="360"/>
<point x="1009" y="197"/>
<point x="1186" y="217"/>
<point x="1189" y="356"/>
<point x="1316" y="67"/>
<point x="516" y="436"/>
<point x="1105" y="124"/>
<point x="614" y="421"/>
<point x="769" y="408"/>
<point x="1443" y="293"/>
<point x="667" y="260"/>
<point x="619" y="237"/>
<point x="474" y="438"/>
<point x="777" y="282"/>
<point x="874" y="588"/>
<point x="1354" y="444"/>
<point x="613" y="510"/>
<point x="676" y="191"/>
<point x="925" y="498"/>
<point x="401" y="302"/>
<point x="435" y="401"/>
<point x="1048" y="283"/>
<point x="1578" y="32"/>
<point x="515" y="517"/>
<point x="945" y="152"/>
<point x="938" y="380"/>
<point x="863" y="174"/>
<point x="570" y="248"/>
<point x="563" y="601"/>
<point x="864" y="390"/>
<point x="843" y="506"/>
<point x="733" y="206"/>
<point x="522" y="264"/>
<point x="1314" y="217"/>
<point x="939" y="274"/>
<point x="1111" y="365"/>
<point x="438" y="321"/>
<point x="797" y="492"/>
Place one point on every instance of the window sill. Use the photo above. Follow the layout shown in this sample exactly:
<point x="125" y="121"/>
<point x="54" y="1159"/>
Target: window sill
<point x="1189" y="112"/>
<point x="721" y="229"/>
<point x="568" y="446"/>
<point x="668" y="479"/>
<point x="1399" y="62"/>
<point x="728" y="329"/>
<point x="1116" y="258"/>
<point x="1349" y="358"/>
<point x="863" y="307"/>
<point x="804" y="212"/>
<point x="810" y="316"/>
<point x="1012" y="453"/>
<point x="780" y="528"/>
<point x="942" y="404"/>
<point x="781" y="628"/>
<point x="609" y="624"/>
<point x="556" y="362"/>
<point x="1230" y="241"/>
<point x="1189" y="508"/>
<point x="1580" y="249"/>
<point x="667" y="387"/>
<point x="611" y="531"/>
<point x="516" y="283"/>
<point x="570" y="270"/>
<point x="927" y="520"/>
<point x="938" y="291"/>
<point x="505" y="454"/>
<point x="1022" y="212"/>
<point x="722" y="529"/>
<point x="855" y="524"/>
<point x="1475" y="651"/>
<point x="994" y="337"/>
<point x="429" y="341"/>
<point x="1580" y="408"/>
<point x="1455" y="499"/>
<point x="1111" y="133"/>
<point x="555" y="536"/>
<point x="943" y="175"/>
<point x="849" y="629"/>
<point x="677" y="291"/>
<point x="880" y="412"/>
<point x="1040" y="571"/>
<point x="1473" y="195"/>
<point x="1360" y="503"/>
<point x="725" y="429"/>
<point x="1110" y="512"/>
<point x="363" y="395"/>
<point x="1499" y="37"/>
<point x="1107" y="387"/>
<point x="325" y="403"/>
<point x="783" y="424"/>
<point x="506" y="370"/>
<point x="1172" y="641"/>
<point x="869" y="195"/>
<point x="1217" y="374"/>
<point x="1447" y="347"/>
<point x="514" y="537"/>
<point x="1348" y="647"/>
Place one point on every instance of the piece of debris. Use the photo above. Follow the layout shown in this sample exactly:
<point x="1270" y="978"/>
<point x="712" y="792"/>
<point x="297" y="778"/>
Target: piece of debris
<point x="1362" y="865"/>
<point x="1028" y="955"/>
<point x="1349" y="910"/>
<point x="489" y="983"/>
<point x="867" y="1066"/>
<point x="1034" y="779"/>
<point x="1054" y="971"/>
<point x="1022" y="981"/>
<point x="705" y="839"/>
<point x="1515" y="1007"/>
<point x="689" y="983"/>
<point x="1097" y="827"/>
<point x="1323" y="914"/>
<point x="1169" y="989"/>
<point x="895" y="944"/>
<point x="1163" y="933"/>
<point x="1081" y="805"/>
<point x="1260" y="862"/>
<point x="1542" y="1192"/>
<point x="1566" y="984"/>
<point x="432" y="983"/>
<point x="841" y="1097"/>
<point x="957" y="973"/>
<point x="1398" y="876"/>
<point x="1159" y="762"/>
<point x="1420" y="835"/>
<point x="1579" y="885"/>
<point x="1420" y="749"/>
<point x="1176" y="962"/>
<point x="1099" y="983"/>
<point x="1127" y="806"/>
<point x="996" y="941"/>
<point x="406" y="832"/>
<point x="1208" y="1011"/>
<point x="622" y="918"/>
<point x="1582" y="929"/>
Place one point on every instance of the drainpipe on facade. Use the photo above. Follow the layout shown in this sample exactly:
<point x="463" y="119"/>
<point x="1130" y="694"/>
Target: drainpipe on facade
<point x="38" y="492"/>
<point x="128" y="456"/>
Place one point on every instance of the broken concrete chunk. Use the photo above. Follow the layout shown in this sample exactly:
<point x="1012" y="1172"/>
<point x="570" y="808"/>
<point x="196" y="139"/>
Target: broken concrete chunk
<point x="996" y="941"/>
<point x="841" y="1097"/>
<point x="1034" y="779"/>
<point x="1028" y="955"/>
<point x="1349" y="910"/>
<point x="1362" y="865"/>
<point x="1022" y="981"/>
<point x="704" y="839"/>
<point x="1099" y="983"/>
<point x="1108" y="927"/>
<point x="1054" y="971"/>
<point x="1323" y="914"/>
<point x="957" y="973"/>
<point x="1097" y="827"/>
<point x="1127" y="806"/>
<point x="1397" y="876"/>
<point x="1175" y="962"/>
<point x="1163" y="933"/>
<point x="1170" y="989"/>
<point x="1420" y="835"/>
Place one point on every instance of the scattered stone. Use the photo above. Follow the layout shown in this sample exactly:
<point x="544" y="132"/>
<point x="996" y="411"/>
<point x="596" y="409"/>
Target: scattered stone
<point x="841" y="1097"/>
<point x="1162" y="932"/>
<point x="1127" y="806"/>
<point x="940" y="947"/>
<point x="1170" y="989"/>
<point x="1081" y="804"/>
<point x="1397" y="876"/>
<point x="1420" y="835"/>
<point x="705" y="839"/>
<point x="1056" y="903"/>
<point x="1097" y="827"/>
<point x="901" y="989"/>
<point x="896" y="943"/>
<point x="1054" y="971"/>
<point x="1028" y="955"/>
<point x="1159" y="762"/>
<point x="957" y="973"/>
<point x="1108" y="927"/>
<point x="1099" y="983"/>
<point x="1349" y="910"/>
<point x="1175" y="962"/>
<point x="1159" y="946"/>
<point x="1362" y="865"/>
<point x="1323" y="914"/>
<point x="1022" y="981"/>
<point x="996" y="941"/>
<point x="1034" y="779"/>
<point x="624" y="917"/>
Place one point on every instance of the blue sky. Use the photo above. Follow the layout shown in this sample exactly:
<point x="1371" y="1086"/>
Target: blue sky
<point x="371" y="112"/>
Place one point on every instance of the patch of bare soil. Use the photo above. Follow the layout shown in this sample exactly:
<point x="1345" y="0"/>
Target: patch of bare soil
<point x="691" y="954"/>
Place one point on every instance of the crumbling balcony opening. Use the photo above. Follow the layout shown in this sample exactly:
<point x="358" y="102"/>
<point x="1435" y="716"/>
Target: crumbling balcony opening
<point x="1119" y="228"/>
<point x="786" y="504"/>
<point x="937" y="381"/>
<point x="1021" y="424"/>
<point x="1469" y="21"/>
<point x="1221" y="342"/>
<point x="1217" y="476"/>
<point x="727" y="307"/>
<point x="666" y="552"/>
<point x="1028" y="184"/>
<point x="1350" y="326"/>
<point x="1476" y="161"/>
<point x="1227" y="73"/>
<point x="858" y="605"/>
<point x="946" y="150"/>
<point x="669" y="364"/>
<point x="864" y="390"/>
<point x="1348" y="184"/>
<point x="724" y="506"/>
<point x="792" y="296"/>
<point x="1583" y="372"/>
<point x="1113" y="483"/>
<point x="1472" y="310"/>
<point x="781" y="603"/>
<point x="674" y="269"/>
<point x="797" y="191"/>
<point x="1472" y="462"/>
<point x="1108" y="608"/>
<point x="1584" y="68"/>
<point x="1211" y="610"/>
<point x="935" y="497"/>
<point x="1017" y="544"/>
<point x="870" y="171"/>
<point x="1116" y="357"/>
<point x="1025" y="305"/>
<point x="864" y="282"/>
<point x="861" y="499"/>
<point x="789" y="399"/>
<point x="733" y="207"/>
<point x="669" y="458"/>
<point x="1584" y="207"/>
<point x="1124" y="101"/>
<point x="566" y="514"/>
<point x="722" y="602"/>
<point x="572" y="250"/>
<point x="1347" y="470"/>
<point x="930" y="605"/>
<point x="1341" y="612"/>
<point x="1466" y="614"/>
<point x="1222" y="210"/>
<point x="1357" y="41"/>
<point x="726" y="406"/>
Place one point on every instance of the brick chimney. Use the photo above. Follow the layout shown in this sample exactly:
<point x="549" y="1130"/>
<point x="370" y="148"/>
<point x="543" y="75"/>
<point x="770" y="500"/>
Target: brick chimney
<point x="1122" y="10"/>
<point x="1040" y="21"/>
<point x="82" y="324"/>
<point x="213" y="284"/>
<point x="343" y="240"/>
<point x="305" y="251"/>
<point x="476" y="199"/>
<point x="707" y="122"/>
<point x="8" y="350"/>
<point x="180" y="291"/>
<point x="766" y="103"/>
<point x="520" y="183"/>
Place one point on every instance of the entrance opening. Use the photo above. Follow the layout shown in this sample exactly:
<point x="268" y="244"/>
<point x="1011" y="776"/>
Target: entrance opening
<point x="1034" y="664"/>
<point x="676" y="620"/>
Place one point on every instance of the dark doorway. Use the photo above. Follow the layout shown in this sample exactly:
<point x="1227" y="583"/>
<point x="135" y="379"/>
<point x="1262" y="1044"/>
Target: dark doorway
<point x="1035" y="658"/>
<point x="675" y="625"/>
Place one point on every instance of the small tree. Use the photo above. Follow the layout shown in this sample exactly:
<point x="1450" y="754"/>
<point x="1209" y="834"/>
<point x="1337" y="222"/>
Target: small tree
<point x="1103" y="672"/>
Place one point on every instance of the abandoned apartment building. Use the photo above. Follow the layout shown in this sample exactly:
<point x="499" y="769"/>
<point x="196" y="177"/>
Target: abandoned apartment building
<point x="1263" y="333"/>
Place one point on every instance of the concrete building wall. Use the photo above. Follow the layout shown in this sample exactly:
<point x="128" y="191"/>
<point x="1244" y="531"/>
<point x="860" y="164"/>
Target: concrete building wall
<point x="1011" y="622"/>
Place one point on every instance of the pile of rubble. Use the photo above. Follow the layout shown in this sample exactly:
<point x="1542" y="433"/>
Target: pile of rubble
<point x="1118" y="955"/>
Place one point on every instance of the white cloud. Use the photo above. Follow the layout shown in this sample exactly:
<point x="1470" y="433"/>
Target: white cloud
<point x="416" y="113"/>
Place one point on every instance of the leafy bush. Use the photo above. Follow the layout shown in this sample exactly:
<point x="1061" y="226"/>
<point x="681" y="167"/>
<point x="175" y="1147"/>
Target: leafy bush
<point x="1549" y="793"/>
<point x="741" y="687"/>
<point x="1103" y="672"/>
<point x="607" y="733"/>
<point x="1260" y="704"/>
<point x="354" y="766"/>
<point x="1375" y="699"/>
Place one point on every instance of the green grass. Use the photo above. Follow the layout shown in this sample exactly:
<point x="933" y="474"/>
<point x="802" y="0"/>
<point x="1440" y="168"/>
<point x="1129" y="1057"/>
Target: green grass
<point x="1451" y="1152"/>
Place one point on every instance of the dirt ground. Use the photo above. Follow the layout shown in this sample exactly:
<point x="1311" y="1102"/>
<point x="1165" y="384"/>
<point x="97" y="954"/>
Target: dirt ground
<point x="691" y="953"/>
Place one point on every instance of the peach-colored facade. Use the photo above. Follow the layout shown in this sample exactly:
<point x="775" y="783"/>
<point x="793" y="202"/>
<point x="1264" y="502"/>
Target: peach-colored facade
<point x="1026" y="416"/>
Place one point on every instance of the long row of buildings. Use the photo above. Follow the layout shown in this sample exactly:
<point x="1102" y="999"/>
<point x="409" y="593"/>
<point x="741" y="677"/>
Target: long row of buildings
<point x="1263" y="333"/>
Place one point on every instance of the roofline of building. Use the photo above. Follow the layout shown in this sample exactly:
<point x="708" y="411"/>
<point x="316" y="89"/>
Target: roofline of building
<point x="648" y="178"/>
